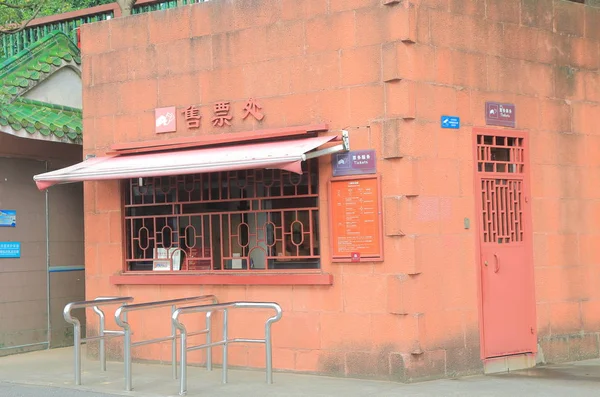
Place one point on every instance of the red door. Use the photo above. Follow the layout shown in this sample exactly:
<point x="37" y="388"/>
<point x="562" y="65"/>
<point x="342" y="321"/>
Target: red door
<point x="507" y="280"/>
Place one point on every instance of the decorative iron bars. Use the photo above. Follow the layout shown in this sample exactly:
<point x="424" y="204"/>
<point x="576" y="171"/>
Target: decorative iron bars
<point x="500" y="154"/>
<point x="502" y="210"/>
<point x="16" y="42"/>
<point x="163" y="5"/>
<point x="225" y="221"/>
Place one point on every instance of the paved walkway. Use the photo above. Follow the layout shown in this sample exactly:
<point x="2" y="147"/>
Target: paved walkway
<point x="13" y="390"/>
<point x="50" y="373"/>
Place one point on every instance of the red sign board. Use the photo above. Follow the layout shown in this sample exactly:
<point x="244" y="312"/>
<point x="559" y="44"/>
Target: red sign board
<point x="502" y="114"/>
<point x="356" y="219"/>
<point x="165" y="120"/>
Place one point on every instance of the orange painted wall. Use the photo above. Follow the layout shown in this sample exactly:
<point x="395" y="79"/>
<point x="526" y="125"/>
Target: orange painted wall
<point x="387" y="70"/>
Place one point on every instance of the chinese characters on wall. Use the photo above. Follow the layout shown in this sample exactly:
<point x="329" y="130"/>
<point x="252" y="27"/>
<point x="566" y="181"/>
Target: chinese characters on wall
<point x="253" y="108"/>
<point x="222" y="115"/>
<point x="192" y="117"/>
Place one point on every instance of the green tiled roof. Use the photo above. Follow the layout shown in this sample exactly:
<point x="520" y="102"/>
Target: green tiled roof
<point x="23" y="71"/>
<point x="37" y="117"/>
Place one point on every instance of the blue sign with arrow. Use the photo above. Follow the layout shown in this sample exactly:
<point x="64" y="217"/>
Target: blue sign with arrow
<point x="451" y="122"/>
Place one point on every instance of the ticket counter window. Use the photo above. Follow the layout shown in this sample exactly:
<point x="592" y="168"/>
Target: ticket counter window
<point x="250" y="220"/>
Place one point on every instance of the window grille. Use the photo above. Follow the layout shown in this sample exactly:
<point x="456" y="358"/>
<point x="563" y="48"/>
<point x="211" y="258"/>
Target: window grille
<point x="251" y="220"/>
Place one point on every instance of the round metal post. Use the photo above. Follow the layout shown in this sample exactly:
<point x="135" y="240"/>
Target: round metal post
<point x="183" y="383"/>
<point x="102" y="341"/>
<point x="225" y="345"/>
<point x="174" y="345"/>
<point x="269" y="353"/>
<point x="77" y="345"/>
<point x="209" y="341"/>
<point x="127" y="354"/>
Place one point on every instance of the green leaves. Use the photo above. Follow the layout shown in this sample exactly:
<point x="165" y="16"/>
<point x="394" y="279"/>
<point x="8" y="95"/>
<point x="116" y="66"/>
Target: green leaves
<point x="16" y="14"/>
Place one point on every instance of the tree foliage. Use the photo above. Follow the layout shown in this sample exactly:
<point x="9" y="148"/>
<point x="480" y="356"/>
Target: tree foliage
<point x="16" y="14"/>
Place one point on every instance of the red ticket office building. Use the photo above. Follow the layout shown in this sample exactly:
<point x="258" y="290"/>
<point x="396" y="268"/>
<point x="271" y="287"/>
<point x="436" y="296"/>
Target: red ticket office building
<point x="217" y="163"/>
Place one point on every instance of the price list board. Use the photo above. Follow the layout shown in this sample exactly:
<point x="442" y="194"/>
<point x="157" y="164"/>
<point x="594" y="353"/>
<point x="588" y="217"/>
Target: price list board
<point x="356" y="219"/>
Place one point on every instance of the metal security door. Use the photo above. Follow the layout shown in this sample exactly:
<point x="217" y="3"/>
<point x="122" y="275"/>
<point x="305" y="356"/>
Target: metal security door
<point x="507" y="280"/>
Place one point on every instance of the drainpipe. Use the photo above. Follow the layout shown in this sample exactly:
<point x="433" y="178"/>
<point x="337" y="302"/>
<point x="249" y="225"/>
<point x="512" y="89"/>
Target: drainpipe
<point x="49" y="335"/>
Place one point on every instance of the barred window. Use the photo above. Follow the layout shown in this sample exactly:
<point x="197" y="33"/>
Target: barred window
<point x="250" y="220"/>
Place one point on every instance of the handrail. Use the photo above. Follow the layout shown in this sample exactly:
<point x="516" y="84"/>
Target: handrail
<point x="225" y="307"/>
<point x="121" y="320"/>
<point x="102" y="334"/>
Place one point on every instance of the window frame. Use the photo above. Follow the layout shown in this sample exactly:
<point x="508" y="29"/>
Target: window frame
<point x="310" y="276"/>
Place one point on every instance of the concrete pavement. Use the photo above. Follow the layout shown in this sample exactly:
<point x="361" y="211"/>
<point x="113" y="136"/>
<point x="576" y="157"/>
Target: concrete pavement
<point x="13" y="390"/>
<point x="50" y="373"/>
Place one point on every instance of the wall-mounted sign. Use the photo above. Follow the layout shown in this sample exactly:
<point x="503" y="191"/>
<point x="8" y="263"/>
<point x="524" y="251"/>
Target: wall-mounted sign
<point x="502" y="114"/>
<point x="355" y="162"/>
<point x="165" y="120"/>
<point x="356" y="228"/>
<point x="10" y="249"/>
<point x="222" y="115"/>
<point x="450" y="122"/>
<point x="8" y="218"/>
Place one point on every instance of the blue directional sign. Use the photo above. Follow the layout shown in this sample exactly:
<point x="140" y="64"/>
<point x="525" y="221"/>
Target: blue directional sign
<point x="451" y="122"/>
<point x="10" y="249"/>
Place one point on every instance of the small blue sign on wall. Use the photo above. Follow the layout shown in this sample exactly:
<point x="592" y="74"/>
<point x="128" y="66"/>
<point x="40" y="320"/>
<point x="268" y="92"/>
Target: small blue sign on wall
<point x="8" y="218"/>
<point x="451" y="122"/>
<point x="10" y="249"/>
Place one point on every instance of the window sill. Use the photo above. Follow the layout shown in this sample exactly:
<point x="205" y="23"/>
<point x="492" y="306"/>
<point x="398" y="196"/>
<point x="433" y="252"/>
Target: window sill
<point x="223" y="279"/>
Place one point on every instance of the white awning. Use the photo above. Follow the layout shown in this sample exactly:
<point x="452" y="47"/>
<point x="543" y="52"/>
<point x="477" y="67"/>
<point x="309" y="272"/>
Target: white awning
<point x="286" y="155"/>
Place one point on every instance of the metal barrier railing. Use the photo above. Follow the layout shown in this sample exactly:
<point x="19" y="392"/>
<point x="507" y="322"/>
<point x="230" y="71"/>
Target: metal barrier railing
<point x="102" y="334"/>
<point x="121" y="319"/>
<point x="225" y="341"/>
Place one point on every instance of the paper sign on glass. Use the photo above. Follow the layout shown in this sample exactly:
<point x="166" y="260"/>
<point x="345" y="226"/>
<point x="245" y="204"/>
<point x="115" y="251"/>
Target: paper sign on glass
<point x="164" y="257"/>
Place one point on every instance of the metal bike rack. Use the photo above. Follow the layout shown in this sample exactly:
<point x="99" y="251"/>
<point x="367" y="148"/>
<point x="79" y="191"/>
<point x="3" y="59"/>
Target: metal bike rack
<point x="102" y="334"/>
<point x="121" y="320"/>
<point x="225" y="341"/>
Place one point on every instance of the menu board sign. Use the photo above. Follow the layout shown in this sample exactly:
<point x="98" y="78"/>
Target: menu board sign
<point x="356" y="220"/>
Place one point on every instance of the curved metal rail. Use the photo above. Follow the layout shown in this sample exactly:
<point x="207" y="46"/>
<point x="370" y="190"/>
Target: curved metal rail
<point x="121" y="320"/>
<point x="102" y="334"/>
<point x="225" y="341"/>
